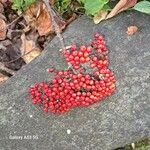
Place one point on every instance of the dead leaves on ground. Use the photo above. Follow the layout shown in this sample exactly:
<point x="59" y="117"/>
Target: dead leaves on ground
<point x="37" y="17"/>
<point x="29" y="49"/>
<point x="22" y="36"/>
<point x="122" y="5"/>
<point x="3" y="29"/>
<point x="3" y="78"/>
<point x="43" y="23"/>
<point x="3" y="25"/>
<point x="38" y="23"/>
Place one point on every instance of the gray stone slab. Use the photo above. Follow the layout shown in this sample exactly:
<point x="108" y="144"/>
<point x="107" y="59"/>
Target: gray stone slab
<point x="120" y="119"/>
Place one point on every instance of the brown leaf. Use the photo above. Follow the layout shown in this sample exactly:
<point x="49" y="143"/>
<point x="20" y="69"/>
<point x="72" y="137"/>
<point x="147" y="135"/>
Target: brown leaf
<point x="1" y="8"/>
<point x="38" y="17"/>
<point x="132" y="30"/>
<point x="3" y="29"/>
<point x="2" y="17"/>
<point x="121" y="6"/>
<point x="3" y="78"/>
<point x="101" y="15"/>
<point x="43" y="22"/>
<point x="29" y="50"/>
<point x="31" y="14"/>
<point x="2" y="11"/>
<point x="3" y="1"/>
<point x="32" y="55"/>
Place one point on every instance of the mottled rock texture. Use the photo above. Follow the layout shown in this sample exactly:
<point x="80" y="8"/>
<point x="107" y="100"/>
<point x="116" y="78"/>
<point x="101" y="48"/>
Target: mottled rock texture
<point x="120" y="119"/>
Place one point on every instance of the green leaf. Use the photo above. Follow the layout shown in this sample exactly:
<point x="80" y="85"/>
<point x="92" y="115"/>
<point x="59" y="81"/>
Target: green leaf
<point x="81" y="1"/>
<point x="143" y="6"/>
<point x="62" y="5"/>
<point x="65" y="3"/>
<point x="21" y="5"/>
<point x="28" y="3"/>
<point x="106" y="7"/>
<point x="92" y="7"/>
<point x="17" y="4"/>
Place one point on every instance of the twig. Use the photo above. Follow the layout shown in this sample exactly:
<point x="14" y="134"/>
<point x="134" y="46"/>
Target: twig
<point x="14" y="21"/>
<point x="3" y="68"/>
<point x="55" y="25"/>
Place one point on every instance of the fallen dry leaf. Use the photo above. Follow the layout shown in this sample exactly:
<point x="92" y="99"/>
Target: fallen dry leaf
<point x="3" y="1"/>
<point x="1" y="8"/>
<point x="27" y="29"/>
<point x="3" y="29"/>
<point x="2" y="17"/>
<point x="3" y="78"/>
<point x="32" y="55"/>
<point x="38" y="17"/>
<point x="132" y="30"/>
<point x="31" y="14"/>
<point x="101" y="15"/>
<point x="3" y="67"/>
<point x="2" y="11"/>
<point x="43" y="22"/>
<point x="29" y="50"/>
<point x="121" y="6"/>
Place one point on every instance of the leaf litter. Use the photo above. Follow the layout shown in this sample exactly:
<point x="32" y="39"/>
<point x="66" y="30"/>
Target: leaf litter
<point x="23" y="36"/>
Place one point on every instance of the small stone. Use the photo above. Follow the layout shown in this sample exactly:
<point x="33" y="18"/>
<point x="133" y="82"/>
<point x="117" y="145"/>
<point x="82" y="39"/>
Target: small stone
<point x="68" y="131"/>
<point x="133" y="145"/>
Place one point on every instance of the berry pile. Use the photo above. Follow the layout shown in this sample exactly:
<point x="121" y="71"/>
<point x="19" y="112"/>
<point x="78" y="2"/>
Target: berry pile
<point x="86" y="81"/>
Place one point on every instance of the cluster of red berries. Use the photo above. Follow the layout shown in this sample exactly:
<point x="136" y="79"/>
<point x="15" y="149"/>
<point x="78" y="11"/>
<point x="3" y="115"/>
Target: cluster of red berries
<point x="86" y="81"/>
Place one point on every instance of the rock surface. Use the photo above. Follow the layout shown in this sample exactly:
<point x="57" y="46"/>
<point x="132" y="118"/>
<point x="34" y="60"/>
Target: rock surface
<point x="119" y="119"/>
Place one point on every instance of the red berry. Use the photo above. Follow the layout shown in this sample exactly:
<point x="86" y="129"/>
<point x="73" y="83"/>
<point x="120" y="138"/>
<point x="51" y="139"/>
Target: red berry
<point x="83" y="48"/>
<point x="75" y="53"/>
<point x="73" y="47"/>
<point x="86" y="54"/>
<point x="75" y="87"/>
<point x="89" y="49"/>
<point x="76" y="58"/>
<point x="82" y="59"/>
<point x="51" y="70"/>
<point x="95" y="58"/>
<point x="80" y="53"/>
<point x="92" y="65"/>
